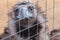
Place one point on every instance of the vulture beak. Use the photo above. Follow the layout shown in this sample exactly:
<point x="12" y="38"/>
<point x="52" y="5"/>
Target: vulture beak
<point x="24" y="13"/>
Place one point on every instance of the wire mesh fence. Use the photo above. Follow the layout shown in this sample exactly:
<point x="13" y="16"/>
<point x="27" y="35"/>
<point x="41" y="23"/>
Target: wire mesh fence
<point x="31" y="30"/>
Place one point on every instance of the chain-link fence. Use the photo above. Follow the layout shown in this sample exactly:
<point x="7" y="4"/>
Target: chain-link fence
<point x="45" y="26"/>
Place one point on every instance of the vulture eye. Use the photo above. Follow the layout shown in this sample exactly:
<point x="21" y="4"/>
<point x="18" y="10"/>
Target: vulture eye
<point x="16" y="11"/>
<point x="31" y="9"/>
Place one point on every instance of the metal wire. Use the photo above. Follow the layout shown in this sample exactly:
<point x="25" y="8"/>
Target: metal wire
<point x="20" y="31"/>
<point x="45" y="19"/>
<point x="53" y="15"/>
<point x="28" y="27"/>
<point x="36" y="24"/>
<point x="37" y="21"/>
